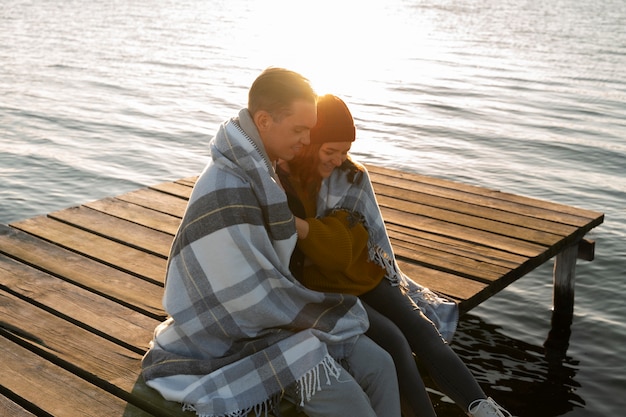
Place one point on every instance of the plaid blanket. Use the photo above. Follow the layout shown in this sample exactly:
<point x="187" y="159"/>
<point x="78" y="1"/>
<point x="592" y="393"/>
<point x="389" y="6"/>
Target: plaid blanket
<point x="338" y="193"/>
<point x="241" y="329"/>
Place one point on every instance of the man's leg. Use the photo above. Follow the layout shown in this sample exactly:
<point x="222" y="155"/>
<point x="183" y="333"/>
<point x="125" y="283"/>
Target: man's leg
<point x="344" y="397"/>
<point x="373" y="368"/>
<point x="369" y="390"/>
<point x="387" y="335"/>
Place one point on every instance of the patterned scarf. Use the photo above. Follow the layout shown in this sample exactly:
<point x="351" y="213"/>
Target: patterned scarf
<point x="338" y="193"/>
<point x="241" y="329"/>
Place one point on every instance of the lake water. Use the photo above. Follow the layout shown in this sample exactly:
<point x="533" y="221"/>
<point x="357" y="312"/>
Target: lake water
<point x="100" y="98"/>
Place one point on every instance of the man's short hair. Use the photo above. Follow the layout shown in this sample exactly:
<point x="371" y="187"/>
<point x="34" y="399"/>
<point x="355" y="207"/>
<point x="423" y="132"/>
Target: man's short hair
<point x="275" y="90"/>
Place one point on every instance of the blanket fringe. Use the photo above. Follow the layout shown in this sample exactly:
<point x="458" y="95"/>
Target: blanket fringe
<point x="308" y="385"/>
<point x="310" y="382"/>
<point x="260" y="410"/>
<point x="382" y="259"/>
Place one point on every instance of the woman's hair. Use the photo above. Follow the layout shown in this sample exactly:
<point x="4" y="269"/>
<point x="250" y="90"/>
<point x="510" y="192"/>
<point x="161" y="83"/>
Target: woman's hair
<point x="334" y="124"/>
<point x="275" y="90"/>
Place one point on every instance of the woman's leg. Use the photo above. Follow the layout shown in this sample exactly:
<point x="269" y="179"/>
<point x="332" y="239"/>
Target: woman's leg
<point x="441" y="362"/>
<point x="385" y="333"/>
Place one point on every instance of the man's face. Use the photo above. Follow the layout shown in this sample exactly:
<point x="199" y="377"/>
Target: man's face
<point x="284" y="139"/>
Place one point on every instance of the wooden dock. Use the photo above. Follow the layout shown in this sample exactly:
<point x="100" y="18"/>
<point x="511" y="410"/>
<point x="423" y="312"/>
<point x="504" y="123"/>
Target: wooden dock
<point x="81" y="288"/>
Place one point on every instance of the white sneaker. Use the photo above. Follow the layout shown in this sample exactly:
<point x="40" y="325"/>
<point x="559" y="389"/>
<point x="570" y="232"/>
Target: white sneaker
<point x="487" y="408"/>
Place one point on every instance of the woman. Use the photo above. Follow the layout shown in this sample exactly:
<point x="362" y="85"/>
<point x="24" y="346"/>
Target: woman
<point x="346" y="249"/>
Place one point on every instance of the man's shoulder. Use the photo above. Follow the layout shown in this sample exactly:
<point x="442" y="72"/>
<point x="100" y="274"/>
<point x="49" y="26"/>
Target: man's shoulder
<point x="218" y="176"/>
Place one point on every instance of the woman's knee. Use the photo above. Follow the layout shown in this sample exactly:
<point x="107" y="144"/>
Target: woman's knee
<point x="387" y="334"/>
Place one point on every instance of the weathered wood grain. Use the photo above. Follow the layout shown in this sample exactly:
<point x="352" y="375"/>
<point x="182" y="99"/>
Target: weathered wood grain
<point x="88" y="273"/>
<point x="86" y="309"/>
<point x="102" y="249"/>
<point x="95" y="359"/>
<point x="55" y="391"/>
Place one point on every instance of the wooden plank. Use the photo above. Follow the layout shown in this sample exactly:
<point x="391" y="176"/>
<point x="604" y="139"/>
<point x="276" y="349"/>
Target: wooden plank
<point x="123" y="325"/>
<point x="112" y="253"/>
<point x="114" y="228"/>
<point x="8" y="408"/>
<point x="462" y="233"/>
<point x="458" y="265"/>
<point x="49" y="388"/>
<point x="190" y="181"/>
<point x="533" y="253"/>
<point x="560" y="224"/>
<point x="466" y="292"/>
<point x="485" y="204"/>
<point x="90" y="353"/>
<point x="468" y="199"/>
<point x="177" y="189"/>
<point x="93" y="358"/>
<point x="458" y="288"/>
<point x="410" y="179"/>
<point x="478" y="223"/>
<point x="137" y="214"/>
<point x="467" y="249"/>
<point x="157" y="201"/>
<point x="99" y="278"/>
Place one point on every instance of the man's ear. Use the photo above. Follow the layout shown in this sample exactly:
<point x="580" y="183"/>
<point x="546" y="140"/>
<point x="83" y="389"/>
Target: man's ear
<point x="262" y="120"/>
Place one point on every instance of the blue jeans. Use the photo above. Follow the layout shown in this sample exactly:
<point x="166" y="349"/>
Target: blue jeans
<point x="369" y="389"/>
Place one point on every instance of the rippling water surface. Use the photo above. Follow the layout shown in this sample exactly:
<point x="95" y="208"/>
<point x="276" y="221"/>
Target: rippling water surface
<point x="529" y="97"/>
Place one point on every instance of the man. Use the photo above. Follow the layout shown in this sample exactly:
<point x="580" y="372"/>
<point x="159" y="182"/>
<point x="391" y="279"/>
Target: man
<point x="242" y="332"/>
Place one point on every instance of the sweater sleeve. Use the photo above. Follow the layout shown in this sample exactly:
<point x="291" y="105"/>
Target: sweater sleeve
<point x="333" y="243"/>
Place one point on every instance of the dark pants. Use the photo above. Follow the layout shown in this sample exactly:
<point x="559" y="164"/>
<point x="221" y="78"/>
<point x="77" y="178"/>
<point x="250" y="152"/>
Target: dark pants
<point x="402" y="329"/>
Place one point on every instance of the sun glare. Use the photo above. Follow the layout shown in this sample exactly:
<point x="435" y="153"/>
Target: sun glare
<point x="342" y="46"/>
<point x="365" y="52"/>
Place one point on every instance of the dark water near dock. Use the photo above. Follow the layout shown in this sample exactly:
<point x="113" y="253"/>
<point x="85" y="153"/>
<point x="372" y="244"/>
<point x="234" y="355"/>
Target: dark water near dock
<point x="528" y="97"/>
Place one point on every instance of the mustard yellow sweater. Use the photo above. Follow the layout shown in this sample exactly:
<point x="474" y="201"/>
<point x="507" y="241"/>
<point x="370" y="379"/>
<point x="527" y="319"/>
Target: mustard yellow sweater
<point x="336" y="252"/>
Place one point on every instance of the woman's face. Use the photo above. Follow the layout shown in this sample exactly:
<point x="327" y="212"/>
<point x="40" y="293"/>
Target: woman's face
<point x="332" y="155"/>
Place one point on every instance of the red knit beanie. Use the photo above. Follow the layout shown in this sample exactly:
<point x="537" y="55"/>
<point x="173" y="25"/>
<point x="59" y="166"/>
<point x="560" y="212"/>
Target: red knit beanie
<point x="334" y="121"/>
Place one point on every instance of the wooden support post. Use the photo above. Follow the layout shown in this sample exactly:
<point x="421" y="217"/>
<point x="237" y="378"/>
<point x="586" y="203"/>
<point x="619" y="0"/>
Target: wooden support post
<point x="564" y="280"/>
<point x="587" y="249"/>
<point x="562" y="302"/>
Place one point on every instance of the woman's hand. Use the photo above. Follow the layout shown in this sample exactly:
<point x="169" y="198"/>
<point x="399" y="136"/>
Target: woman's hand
<point x="302" y="228"/>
